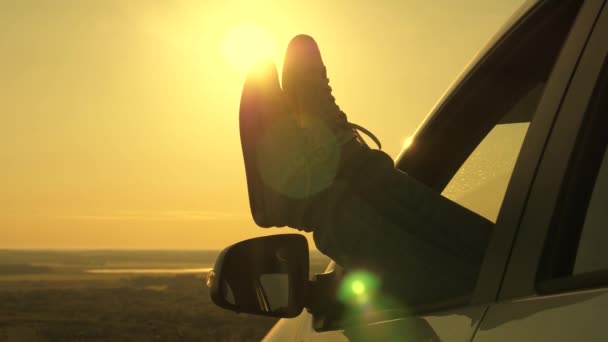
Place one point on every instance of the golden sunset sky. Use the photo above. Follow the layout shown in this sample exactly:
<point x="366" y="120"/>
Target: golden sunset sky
<point x="119" y="119"/>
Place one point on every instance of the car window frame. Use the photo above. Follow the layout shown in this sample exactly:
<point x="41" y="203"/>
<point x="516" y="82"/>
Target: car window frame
<point x="495" y="262"/>
<point x="521" y="272"/>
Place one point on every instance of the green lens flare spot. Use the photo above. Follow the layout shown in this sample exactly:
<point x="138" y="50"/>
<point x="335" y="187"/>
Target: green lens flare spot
<point x="358" y="288"/>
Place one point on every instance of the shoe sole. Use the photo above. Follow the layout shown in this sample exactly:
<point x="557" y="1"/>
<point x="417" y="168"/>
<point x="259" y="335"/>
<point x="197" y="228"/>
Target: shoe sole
<point x="258" y="111"/>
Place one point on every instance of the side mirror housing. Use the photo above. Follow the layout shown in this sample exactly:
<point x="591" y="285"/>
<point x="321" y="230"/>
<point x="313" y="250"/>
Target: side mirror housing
<point x="262" y="276"/>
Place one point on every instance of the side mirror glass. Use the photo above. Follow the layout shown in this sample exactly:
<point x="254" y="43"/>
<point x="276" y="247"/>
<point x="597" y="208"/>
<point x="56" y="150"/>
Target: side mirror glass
<point x="262" y="276"/>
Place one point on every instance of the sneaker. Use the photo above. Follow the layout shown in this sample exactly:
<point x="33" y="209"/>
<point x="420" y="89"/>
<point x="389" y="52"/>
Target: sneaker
<point x="309" y="95"/>
<point x="294" y="146"/>
<point x="281" y="177"/>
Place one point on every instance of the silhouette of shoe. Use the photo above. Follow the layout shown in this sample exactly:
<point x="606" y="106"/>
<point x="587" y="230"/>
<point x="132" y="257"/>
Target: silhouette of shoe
<point x="276" y="157"/>
<point x="295" y="142"/>
<point x="309" y="95"/>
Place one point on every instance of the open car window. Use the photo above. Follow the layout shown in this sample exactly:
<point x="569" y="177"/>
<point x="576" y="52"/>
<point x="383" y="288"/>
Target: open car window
<point x="468" y="149"/>
<point x="481" y="182"/>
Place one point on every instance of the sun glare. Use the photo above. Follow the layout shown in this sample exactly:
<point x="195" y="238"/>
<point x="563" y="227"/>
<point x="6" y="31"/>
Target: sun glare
<point x="407" y="142"/>
<point x="246" y="45"/>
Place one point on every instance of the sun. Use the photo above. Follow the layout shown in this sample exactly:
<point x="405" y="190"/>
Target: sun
<point x="246" y="45"/>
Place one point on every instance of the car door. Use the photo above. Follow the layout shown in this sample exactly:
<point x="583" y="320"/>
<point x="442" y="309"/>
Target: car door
<point x="556" y="284"/>
<point x="457" y="320"/>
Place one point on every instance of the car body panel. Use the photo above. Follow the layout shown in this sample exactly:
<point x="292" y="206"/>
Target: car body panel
<point x="579" y="316"/>
<point x="457" y="325"/>
<point x="288" y="329"/>
<point x="450" y="325"/>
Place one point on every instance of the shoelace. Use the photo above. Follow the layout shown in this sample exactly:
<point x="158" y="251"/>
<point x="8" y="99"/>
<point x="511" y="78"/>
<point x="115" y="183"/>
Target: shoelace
<point x="342" y="116"/>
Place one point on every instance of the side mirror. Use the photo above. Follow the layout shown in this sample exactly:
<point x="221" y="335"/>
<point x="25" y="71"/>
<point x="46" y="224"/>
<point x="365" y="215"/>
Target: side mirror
<point x="263" y="276"/>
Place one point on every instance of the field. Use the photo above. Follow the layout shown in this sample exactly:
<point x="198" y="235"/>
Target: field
<point x="51" y="296"/>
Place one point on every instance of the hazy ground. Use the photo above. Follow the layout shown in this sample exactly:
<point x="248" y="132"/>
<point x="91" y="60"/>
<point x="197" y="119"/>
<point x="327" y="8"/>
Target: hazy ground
<point x="49" y="296"/>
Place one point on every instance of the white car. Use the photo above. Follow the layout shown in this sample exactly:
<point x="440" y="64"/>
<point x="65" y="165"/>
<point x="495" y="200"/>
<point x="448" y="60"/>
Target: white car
<point x="520" y="139"/>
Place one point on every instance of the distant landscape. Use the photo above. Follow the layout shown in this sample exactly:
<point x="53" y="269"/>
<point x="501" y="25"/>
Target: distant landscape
<point x="55" y="296"/>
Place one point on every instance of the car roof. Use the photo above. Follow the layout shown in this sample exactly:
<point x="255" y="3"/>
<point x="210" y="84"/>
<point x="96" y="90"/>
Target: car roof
<point x="507" y="27"/>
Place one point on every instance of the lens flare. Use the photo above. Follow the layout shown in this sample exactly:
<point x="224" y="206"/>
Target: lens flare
<point x="366" y="302"/>
<point x="407" y="143"/>
<point x="358" y="288"/>
<point x="246" y="45"/>
<point x="294" y="164"/>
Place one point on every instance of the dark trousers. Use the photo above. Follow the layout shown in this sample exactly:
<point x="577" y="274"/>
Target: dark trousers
<point x="422" y="246"/>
